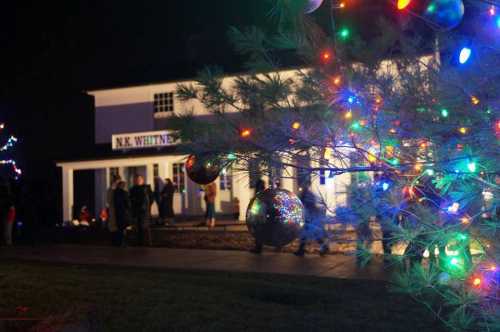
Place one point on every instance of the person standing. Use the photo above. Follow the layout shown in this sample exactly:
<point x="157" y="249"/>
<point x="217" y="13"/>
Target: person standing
<point x="260" y="185"/>
<point x="112" y="226"/>
<point x="6" y="210"/>
<point x="210" y="195"/>
<point x="141" y="198"/>
<point x="167" y="202"/>
<point x="314" y="223"/>
<point x="122" y="212"/>
<point x="385" y="211"/>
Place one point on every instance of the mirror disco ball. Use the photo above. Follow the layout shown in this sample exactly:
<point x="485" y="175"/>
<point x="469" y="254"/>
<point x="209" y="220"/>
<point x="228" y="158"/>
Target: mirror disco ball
<point x="275" y="217"/>
<point x="202" y="169"/>
<point x="312" y="5"/>
<point x="445" y="14"/>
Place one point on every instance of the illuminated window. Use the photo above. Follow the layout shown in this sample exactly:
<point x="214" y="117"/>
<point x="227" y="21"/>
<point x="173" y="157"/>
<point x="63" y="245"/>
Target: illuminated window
<point x="179" y="177"/>
<point x="163" y="102"/>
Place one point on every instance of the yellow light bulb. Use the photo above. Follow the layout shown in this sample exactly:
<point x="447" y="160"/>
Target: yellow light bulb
<point x="348" y="115"/>
<point x="402" y="4"/>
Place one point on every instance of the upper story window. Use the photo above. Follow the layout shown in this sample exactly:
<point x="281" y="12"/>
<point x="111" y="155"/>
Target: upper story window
<point x="163" y="102"/>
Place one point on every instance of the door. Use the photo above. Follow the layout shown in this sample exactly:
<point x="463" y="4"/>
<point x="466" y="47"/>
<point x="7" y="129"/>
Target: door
<point x="226" y="191"/>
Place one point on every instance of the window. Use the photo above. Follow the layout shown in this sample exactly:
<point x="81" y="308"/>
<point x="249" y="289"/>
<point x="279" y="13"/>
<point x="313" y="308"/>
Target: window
<point x="156" y="170"/>
<point x="163" y="102"/>
<point x="226" y="179"/>
<point x="178" y="177"/>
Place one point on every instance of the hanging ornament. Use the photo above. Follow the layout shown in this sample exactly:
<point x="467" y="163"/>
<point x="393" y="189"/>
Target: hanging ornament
<point x="312" y="5"/>
<point x="275" y="217"/>
<point x="445" y="14"/>
<point x="203" y="169"/>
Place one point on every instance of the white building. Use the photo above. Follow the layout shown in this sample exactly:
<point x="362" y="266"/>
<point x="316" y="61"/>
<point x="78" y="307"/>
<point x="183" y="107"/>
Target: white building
<point x="130" y="124"/>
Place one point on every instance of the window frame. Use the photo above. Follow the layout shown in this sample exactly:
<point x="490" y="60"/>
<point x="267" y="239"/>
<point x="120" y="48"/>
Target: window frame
<point x="163" y="102"/>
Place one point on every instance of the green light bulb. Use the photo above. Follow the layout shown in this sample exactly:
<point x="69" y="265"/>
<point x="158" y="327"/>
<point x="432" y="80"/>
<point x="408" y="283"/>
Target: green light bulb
<point x="445" y="113"/>
<point x="472" y="167"/>
<point x="344" y="33"/>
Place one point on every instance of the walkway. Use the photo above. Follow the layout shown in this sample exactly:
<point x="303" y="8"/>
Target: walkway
<point x="334" y="266"/>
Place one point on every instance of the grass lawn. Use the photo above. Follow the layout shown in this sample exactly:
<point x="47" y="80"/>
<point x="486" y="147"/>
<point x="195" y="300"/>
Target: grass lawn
<point x="133" y="299"/>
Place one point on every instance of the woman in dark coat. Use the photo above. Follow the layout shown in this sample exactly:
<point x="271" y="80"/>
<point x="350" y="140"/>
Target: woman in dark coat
<point x="167" y="201"/>
<point x="122" y="212"/>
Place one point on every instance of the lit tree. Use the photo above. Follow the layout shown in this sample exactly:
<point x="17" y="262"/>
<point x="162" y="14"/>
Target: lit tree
<point x="414" y="109"/>
<point x="6" y="160"/>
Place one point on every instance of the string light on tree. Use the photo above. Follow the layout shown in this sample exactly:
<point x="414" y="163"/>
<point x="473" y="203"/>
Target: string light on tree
<point x="337" y="80"/>
<point x="344" y="33"/>
<point x="326" y="56"/>
<point x="246" y="133"/>
<point x="463" y="130"/>
<point x="403" y="4"/>
<point x="472" y="167"/>
<point x="465" y="54"/>
<point x="11" y="141"/>
<point x="492" y="11"/>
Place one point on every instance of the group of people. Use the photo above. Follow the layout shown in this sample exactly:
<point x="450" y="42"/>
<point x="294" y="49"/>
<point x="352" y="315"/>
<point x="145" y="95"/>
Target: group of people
<point x="133" y="208"/>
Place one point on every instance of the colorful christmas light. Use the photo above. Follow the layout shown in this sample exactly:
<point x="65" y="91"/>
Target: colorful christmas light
<point x="245" y="133"/>
<point x="465" y="54"/>
<point x="402" y="4"/>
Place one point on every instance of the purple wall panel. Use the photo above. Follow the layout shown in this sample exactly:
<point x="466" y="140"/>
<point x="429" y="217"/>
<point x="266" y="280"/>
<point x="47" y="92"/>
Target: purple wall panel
<point x="110" y="120"/>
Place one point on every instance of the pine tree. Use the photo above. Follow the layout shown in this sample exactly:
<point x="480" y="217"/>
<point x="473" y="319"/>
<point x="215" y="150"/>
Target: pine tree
<point x="406" y="108"/>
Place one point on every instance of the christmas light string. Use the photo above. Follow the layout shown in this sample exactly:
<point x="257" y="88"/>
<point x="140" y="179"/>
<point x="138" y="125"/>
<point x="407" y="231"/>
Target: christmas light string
<point x="11" y="141"/>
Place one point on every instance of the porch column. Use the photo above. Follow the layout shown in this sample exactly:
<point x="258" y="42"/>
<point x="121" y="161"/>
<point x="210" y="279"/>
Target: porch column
<point x="67" y="193"/>
<point x="150" y="177"/>
<point x="163" y="170"/>
<point x="101" y="186"/>
<point x="242" y="191"/>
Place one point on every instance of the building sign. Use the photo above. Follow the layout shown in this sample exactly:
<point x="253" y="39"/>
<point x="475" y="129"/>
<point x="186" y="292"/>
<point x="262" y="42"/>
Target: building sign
<point x="151" y="139"/>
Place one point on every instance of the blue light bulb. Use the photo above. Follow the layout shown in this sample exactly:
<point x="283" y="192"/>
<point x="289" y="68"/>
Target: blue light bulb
<point x="465" y="54"/>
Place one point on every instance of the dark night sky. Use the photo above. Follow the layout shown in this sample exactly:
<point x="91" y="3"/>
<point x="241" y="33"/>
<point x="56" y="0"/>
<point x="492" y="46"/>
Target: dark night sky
<point x="87" y="44"/>
<point x="54" y="50"/>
